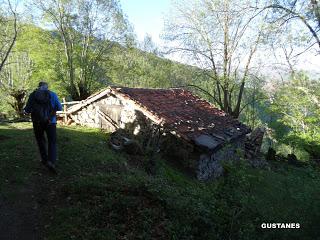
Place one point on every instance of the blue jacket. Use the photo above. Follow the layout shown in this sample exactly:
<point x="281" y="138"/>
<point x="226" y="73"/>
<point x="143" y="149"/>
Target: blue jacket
<point x="56" y="105"/>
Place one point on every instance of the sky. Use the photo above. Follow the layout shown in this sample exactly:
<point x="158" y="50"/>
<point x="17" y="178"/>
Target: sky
<point x="147" y="16"/>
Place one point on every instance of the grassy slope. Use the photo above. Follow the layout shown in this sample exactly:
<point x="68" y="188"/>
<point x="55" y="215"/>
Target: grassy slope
<point x="100" y="194"/>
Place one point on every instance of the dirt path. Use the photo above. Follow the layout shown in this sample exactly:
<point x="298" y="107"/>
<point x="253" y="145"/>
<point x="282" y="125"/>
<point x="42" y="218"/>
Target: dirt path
<point x="25" y="185"/>
<point x="19" y="213"/>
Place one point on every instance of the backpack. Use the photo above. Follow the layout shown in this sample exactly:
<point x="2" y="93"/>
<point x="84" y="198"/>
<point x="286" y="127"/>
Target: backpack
<point x="41" y="108"/>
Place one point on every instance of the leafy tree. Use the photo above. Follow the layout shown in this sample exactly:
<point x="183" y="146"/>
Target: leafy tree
<point x="306" y="12"/>
<point x="298" y="104"/>
<point x="148" y="45"/>
<point x="256" y="103"/>
<point x="35" y="57"/>
<point x="45" y="50"/>
<point x="223" y="37"/>
<point x="14" y="80"/>
<point x="8" y="29"/>
<point x="88" y="30"/>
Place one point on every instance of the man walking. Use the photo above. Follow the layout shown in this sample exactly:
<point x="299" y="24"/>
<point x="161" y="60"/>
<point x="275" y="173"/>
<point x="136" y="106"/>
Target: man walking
<point x="43" y="104"/>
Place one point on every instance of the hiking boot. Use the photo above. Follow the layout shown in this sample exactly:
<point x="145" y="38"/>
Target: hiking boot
<point x="51" y="167"/>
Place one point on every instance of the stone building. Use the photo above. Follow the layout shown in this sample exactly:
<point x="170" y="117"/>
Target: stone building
<point x="209" y="135"/>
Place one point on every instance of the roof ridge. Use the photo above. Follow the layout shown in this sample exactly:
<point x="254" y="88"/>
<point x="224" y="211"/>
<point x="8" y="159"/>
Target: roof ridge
<point x="150" y="88"/>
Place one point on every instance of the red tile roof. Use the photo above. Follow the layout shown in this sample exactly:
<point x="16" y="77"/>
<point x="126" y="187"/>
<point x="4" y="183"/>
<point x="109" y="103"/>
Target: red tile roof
<point x="186" y="114"/>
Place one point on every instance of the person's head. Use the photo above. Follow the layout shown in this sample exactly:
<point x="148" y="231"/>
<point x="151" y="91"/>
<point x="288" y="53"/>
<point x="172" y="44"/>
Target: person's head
<point x="43" y="86"/>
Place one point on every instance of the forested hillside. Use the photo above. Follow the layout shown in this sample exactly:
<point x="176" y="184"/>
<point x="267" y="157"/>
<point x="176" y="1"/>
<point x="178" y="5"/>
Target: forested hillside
<point x="38" y="55"/>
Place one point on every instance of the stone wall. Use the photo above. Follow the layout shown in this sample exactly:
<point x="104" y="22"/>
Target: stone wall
<point x="120" y="112"/>
<point x="204" y="164"/>
<point x="210" y="164"/>
<point x="87" y="116"/>
<point x="127" y="115"/>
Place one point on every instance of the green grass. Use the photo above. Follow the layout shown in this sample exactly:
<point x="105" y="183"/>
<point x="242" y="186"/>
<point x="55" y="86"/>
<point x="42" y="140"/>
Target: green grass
<point x="100" y="194"/>
<point x="17" y="154"/>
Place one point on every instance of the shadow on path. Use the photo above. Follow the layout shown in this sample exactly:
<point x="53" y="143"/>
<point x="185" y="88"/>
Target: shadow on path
<point x="19" y="215"/>
<point x="19" y="209"/>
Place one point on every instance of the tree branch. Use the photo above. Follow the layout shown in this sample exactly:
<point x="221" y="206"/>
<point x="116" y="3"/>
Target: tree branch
<point x="6" y="55"/>
<point x="302" y="18"/>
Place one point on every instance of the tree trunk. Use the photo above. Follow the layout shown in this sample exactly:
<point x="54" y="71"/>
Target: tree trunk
<point x="14" y="38"/>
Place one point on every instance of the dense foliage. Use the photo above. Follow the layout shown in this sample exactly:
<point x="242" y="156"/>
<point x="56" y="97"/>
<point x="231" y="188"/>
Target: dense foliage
<point x="297" y="106"/>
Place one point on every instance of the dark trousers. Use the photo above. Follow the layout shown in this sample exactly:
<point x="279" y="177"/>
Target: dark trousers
<point x="39" y="132"/>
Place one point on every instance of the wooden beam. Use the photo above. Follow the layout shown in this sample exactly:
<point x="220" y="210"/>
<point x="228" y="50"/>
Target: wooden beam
<point x="65" y="117"/>
<point x="108" y="119"/>
<point x="69" y="103"/>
